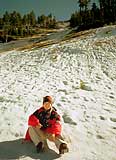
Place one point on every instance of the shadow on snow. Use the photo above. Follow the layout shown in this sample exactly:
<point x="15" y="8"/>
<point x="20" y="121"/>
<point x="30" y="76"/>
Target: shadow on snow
<point x="10" y="150"/>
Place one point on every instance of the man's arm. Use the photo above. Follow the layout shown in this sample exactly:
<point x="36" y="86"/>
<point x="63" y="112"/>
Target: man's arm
<point x="33" y="120"/>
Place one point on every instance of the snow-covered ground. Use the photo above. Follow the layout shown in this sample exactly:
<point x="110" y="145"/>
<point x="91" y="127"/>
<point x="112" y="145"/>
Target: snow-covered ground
<point x="81" y="76"/>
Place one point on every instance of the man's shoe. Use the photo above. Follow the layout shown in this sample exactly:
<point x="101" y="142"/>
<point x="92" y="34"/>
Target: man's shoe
<point x="39" y="147"/>
<point x="63" y="148"/>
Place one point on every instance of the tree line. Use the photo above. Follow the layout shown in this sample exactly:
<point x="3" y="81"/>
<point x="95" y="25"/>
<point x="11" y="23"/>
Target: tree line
<point x="16" y="25"/>
<point x="98" y="15"/>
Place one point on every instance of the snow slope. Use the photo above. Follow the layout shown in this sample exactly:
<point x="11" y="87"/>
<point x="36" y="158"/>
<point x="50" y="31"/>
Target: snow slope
<point x="81" y="76"/>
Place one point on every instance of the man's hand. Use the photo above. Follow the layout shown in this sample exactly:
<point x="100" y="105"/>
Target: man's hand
<point x="51" y="137"/>
<point x="39" y="126"/>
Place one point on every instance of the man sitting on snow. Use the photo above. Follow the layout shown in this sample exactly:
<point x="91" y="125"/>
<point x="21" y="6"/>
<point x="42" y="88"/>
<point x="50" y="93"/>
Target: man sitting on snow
<point x="45" y="124"/>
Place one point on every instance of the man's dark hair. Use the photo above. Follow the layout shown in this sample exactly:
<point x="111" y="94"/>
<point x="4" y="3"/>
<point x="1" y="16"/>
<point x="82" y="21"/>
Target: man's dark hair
<point x="47" y="99"/>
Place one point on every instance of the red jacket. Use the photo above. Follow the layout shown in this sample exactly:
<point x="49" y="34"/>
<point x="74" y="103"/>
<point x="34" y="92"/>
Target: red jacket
<point x="52" y="124"/>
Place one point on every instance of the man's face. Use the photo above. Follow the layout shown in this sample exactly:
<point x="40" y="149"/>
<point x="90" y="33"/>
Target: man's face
<point x="47" y="105"/>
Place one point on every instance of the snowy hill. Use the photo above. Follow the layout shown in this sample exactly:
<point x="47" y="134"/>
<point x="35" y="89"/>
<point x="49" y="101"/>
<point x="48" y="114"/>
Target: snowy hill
<point x="81" y="76"/>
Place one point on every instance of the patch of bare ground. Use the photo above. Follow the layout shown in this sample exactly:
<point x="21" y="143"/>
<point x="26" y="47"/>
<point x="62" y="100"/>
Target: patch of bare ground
<point x="23" y="43"/>
<point x="104" y="41"/>
<point x="38" y="41"/>
<point x="81" y="34"/>
<point x="37" y="45"/>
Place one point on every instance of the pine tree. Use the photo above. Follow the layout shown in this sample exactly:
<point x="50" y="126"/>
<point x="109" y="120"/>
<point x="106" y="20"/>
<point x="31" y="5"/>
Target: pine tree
<point x="6" y="18"/>
<point x="32" y="18"/>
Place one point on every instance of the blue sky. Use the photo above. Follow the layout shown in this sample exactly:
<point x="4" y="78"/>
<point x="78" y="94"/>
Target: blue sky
<point x="61" y="9"/>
